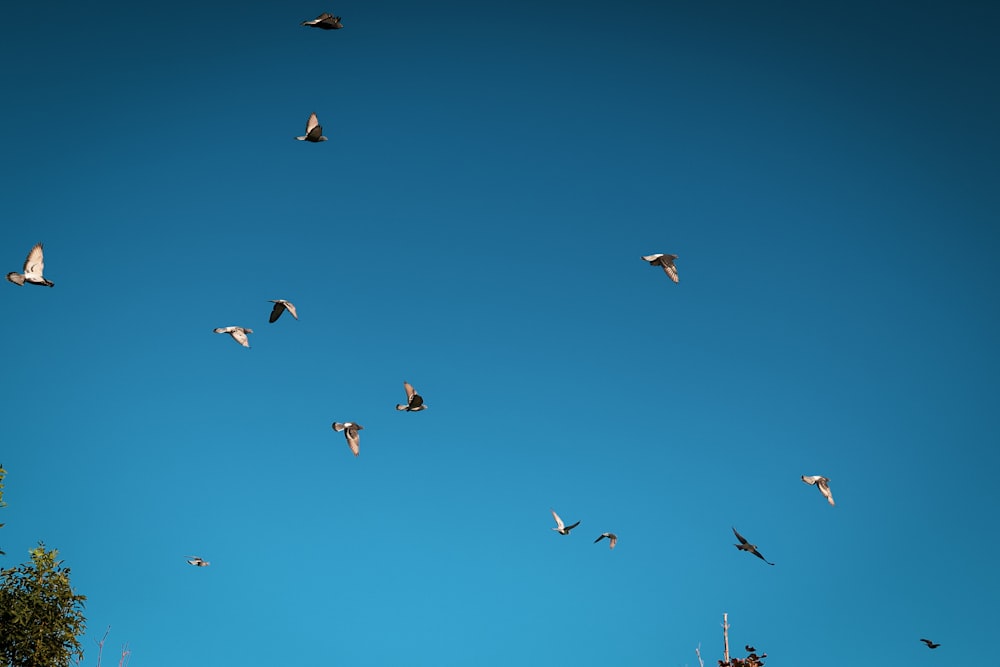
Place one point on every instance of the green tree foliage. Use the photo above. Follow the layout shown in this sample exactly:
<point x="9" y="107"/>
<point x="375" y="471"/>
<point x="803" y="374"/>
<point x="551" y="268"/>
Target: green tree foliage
<point x="40" y="616"/>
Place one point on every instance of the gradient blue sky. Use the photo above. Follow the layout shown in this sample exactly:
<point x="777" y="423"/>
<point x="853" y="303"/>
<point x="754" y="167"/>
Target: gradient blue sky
<point x="827" y="174"/>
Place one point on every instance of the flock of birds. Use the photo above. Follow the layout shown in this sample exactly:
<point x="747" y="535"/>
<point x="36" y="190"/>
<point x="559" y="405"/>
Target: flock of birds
<point x="32" y="273"/>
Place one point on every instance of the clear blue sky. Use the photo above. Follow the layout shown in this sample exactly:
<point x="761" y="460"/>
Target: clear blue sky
<point x="827" y="175"/>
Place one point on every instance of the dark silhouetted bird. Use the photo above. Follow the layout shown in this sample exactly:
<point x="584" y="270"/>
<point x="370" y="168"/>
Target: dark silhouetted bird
<point x="314" y="131"/>
<point x="746" y="546"/>
<point x="325" y="22"/>
<point x="667" y="262"/>
<point x="821" y="483"/>
<point x="929" y="643"/>
<point x="280" y="306"/>
<point x="350" y="430"/>
<point x="414" y="402"/>
<point x="750" y="649"/>
<point x="612" y="539"/>
<point x="239" y="334"/>
<point x="562" y="528"/>
<point x="34" y="265"/>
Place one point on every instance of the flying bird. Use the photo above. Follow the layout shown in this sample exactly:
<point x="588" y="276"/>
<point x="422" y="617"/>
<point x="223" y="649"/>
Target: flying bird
<point x="239" y="334"/>
<point x="325" y="22"/>
<point x="198" y="561"/>
<point x="750" y="649"/>
<point x="929" y="643"/>
<point x="34" y="265"/>
<point x="314" y="131"/>
<point x="821" y="483"/>
<point x="414" y="401"/>
<point x="562" y="528"/>
<point x="612" y="539"/>
<point x="350" y="430"/>
<point x="666" y="261"/>
<point x="280" y="306"/>
<point x="746" y="546"/>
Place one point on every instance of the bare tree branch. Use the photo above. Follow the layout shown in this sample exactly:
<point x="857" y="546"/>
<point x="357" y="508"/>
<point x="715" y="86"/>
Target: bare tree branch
<point x="125" y="656"/>
<point x="100" y="645"/>
<point x="725" y="637"/>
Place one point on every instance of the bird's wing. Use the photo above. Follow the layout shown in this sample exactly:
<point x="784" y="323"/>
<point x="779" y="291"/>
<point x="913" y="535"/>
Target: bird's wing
<point x="559" y="522"/>
<point x="352" y="439"/>
<point x="603" y="535"/>
<point x="240" y="336"/>
<point x="312" y="123"/>
<point x="927" y="641"/>
<point x="223" y="329"/>
<point x="614" y="540"/>
<point x="35" y="262"/>
<point x="740" y="537"/>
<point x="279" y="308"/>
<point x="811" y="479"/>
<point x="652" y="258"/>
<point x="571" y="527"/>
<point x="761" y="556"/>
<point x="409" y="391"/>
<point x="315" y="133"/>
<point x="291" y="308"/>
<point x="824" y="488"/>
<point x="337" y="426"/>
<point x="671" y="271"/>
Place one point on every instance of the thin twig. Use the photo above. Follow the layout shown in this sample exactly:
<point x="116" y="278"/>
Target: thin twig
<point x="697" y="652"/>
<point x="100" y="646"/>
<point x="125" y="656"/>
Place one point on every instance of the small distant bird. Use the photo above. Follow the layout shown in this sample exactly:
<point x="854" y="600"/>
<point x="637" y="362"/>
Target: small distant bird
<point x="34" y="265"/>
<point x="198" y="561"/>
<point x="929" y="643"/>
<point x="746" y="546"/>
<point x="823" y="484"/>
<point x="562" y="528"/>
<point x="239" y="334"/>
<point x="280" y="306"/>
<point x="666" y="261"/>
<point x="350" y="430"/>
<point x="750" y="649"/>
<point x="612" y="539"/>
<point x="325" y="22"/>
<point x="314" y="131"/>
<point x="414" y="402"/>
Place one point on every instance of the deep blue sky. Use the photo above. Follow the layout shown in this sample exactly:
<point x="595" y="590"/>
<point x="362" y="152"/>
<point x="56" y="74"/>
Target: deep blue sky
<point x="827" y="174"/>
